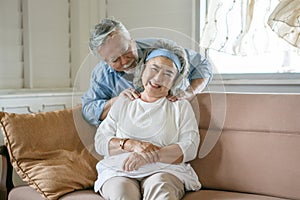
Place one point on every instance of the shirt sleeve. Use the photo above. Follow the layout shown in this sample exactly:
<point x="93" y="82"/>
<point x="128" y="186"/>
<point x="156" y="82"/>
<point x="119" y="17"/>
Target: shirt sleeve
<point x="200" y="67"/>
<point x="95" y="98"/>
<point x="108" y="129"/>
<point x="189" y="137"/>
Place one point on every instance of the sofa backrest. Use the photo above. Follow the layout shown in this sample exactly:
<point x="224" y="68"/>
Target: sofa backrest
<point x="258" y="143"/>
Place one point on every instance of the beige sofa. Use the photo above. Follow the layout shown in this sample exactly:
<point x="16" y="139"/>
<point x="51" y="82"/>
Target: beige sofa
<point x="250" y="149"/>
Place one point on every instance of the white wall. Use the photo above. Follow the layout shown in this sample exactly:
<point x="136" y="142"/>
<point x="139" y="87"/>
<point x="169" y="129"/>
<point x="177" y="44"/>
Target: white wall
<point x="172" y="19"/>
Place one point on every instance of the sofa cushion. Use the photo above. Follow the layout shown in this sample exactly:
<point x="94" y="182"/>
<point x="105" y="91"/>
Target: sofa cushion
<point x="28" y="193"/>
<point x="225" y="195"/>
<point x="24" y="193"/>
<point x="47" y="152"/>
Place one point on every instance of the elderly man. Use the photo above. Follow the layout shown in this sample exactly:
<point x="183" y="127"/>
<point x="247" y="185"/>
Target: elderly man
<point x="119" y="55"/>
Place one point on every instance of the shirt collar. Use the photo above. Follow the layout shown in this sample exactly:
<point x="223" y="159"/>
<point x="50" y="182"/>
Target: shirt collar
<point x="111" y="70"/>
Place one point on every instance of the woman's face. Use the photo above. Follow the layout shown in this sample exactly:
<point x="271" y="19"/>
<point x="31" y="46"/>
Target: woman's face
<point x="158" y="76"/>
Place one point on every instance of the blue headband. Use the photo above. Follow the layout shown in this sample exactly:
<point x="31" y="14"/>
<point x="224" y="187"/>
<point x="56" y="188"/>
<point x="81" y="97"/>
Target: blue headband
<point x="165" y="53"/>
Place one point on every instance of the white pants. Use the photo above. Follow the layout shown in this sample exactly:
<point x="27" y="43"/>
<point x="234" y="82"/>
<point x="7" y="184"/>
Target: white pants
<point x="159" y="186"/>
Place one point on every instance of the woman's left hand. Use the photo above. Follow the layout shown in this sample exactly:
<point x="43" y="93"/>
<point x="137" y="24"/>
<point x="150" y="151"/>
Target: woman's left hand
<point x="134" y="161"/>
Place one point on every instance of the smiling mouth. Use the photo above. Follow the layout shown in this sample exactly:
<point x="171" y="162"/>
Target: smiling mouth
<point x="153" y="85"/>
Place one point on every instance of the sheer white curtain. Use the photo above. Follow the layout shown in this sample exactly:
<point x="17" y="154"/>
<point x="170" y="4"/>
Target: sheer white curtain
<point x="246" y="36"/>
<point x="285" y="21"/>
<point x="240" y="27"/>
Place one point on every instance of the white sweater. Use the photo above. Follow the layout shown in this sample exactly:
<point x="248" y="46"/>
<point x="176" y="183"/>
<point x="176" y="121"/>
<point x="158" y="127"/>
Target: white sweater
<point x="162" y="123"/>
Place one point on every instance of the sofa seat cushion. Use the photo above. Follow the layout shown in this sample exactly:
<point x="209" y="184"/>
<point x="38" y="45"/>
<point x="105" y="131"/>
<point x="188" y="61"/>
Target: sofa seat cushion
<point x="224" y="195"/>
<point x="28" y="193"/>
<point x="24" y="193"/>
<point x="81" y="195"/>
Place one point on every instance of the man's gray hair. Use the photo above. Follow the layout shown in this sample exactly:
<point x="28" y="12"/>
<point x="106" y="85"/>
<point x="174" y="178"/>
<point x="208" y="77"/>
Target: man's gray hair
<point x="181" y="82"/>
<point x="102" y="31"/>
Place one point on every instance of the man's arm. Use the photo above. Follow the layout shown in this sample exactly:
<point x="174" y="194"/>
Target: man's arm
<point x="94" y="101"/>
<point x="199" y="76"/>
<point x="198" y="85"/>
<point x="200" y="70"/>
<point x="106" y="108"/>
<point x="92" y="109"/>
<point x="128" y="93"/>
<point x="99" y="98"/>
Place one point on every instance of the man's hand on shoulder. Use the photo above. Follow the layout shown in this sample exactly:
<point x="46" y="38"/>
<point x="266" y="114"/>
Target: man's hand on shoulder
<point x="130" y="93"/>
<point x="189" y="94"/>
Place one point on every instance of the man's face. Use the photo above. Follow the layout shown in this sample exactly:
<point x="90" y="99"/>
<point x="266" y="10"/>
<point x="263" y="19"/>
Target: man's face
<point x="158" y="76"/>
<point x="120" y="53"/>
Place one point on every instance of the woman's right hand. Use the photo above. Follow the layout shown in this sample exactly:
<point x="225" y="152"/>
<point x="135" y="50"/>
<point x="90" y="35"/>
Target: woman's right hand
<point x="148" y="150"/>
<point x="135" y="160"/>
<point x="143" y="147"/>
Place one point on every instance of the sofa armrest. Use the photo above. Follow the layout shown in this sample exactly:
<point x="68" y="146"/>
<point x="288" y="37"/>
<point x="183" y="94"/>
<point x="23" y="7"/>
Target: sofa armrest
<point x="6" y="183"/>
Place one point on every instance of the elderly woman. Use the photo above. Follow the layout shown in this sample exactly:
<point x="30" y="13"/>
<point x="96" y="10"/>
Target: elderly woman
<point x="147" y="141"/>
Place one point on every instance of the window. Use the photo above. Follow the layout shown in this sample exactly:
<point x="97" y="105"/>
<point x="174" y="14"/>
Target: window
<point x="241" y="43"/>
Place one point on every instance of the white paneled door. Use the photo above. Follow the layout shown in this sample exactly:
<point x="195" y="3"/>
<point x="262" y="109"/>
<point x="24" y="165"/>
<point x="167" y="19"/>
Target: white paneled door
<point x="11" y="45"/>
<point x="46" y="43"/>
